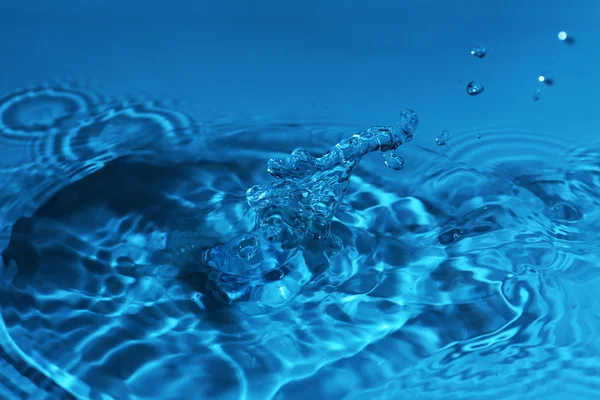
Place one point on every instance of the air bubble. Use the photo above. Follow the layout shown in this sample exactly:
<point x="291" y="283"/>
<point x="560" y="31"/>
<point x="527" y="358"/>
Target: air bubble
<point x="474" y="88"/>
<point x="296" y="209"/>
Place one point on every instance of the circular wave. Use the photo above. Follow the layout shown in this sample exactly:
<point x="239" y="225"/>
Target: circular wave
<point x="458" y="273"/>
<point x="504" y="147"/>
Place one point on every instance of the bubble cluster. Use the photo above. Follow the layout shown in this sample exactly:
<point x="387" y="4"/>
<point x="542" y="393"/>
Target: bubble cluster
<point x="546" y="80"/>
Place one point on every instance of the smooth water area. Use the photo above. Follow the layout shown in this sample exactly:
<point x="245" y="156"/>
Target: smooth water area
<point x="150" y="254"/>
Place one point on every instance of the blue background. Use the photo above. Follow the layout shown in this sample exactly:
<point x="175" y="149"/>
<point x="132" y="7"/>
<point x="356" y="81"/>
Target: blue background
<point x="344" y="61"/>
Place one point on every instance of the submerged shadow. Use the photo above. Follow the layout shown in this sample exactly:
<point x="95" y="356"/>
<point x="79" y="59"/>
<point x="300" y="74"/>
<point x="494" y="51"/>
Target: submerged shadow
<point x="124" y="187"/>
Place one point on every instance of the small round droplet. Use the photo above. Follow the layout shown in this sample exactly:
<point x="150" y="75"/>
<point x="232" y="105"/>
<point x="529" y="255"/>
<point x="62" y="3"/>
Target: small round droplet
<point x="478" y="136"/>
<point x="442" y="140"/>
<point x="536" y="95"/>
<point x="478" y="51"/>
<point x="562" y="35"/>
<point x="393" y="160"/>
<point x="545" y="79"/>
<point x="474" y="88"/>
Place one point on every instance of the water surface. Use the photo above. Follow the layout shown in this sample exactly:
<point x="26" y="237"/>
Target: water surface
<point x="472" y="271"/>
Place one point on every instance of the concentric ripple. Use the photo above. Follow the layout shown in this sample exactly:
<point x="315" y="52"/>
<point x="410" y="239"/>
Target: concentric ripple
<point x="54" y="134"/>
<point x="472" y="274"/>
<point x="505" y="147"/>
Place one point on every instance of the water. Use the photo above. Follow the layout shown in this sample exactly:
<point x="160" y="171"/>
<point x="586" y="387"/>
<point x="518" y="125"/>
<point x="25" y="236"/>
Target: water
<point x="293" y="218"/>
<point x="478" y="51"/>
<point x="442" y="140"/>
<point x="139" y="265"/>
<point x="474" y="88"/>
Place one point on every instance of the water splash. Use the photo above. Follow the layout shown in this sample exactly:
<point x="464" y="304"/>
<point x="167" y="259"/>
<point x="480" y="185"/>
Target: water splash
<point x="565" y="38"/>
<point x="546" y="80"/>
<point x="393" y="160"/>
<point x="291" y="238"/>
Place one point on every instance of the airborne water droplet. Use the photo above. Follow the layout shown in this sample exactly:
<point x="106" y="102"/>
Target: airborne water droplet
<point x="406" y="125"/>
<point x="393" y="160"/>
<point x="442" y="140"/>
<point x="474" y="88"/>
<point x="478" y="51"/>
<point x="295" y="210"/>
<point x="536" y="95"/>
<point x="546" y="79"/>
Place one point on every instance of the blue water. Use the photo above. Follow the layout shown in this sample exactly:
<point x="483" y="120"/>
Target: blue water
<point x="244" y="205"/>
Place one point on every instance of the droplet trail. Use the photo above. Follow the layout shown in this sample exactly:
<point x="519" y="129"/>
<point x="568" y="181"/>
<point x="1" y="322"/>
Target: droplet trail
<point x="393" y="160"/>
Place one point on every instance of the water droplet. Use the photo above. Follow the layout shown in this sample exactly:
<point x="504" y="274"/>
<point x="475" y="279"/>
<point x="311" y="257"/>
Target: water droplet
<point x="296" y="207"/>
<point x="478" y="136"/>
<point x="545" y="79"/>
<point x="406" y="125"/>
<point x="478" y="51"/>
<point x="562" y="35"/>
<point x="393" y="160"/>
<point x="474" y="88"/>
<point x="442" y="140"/>
<point x="536" y="95"/>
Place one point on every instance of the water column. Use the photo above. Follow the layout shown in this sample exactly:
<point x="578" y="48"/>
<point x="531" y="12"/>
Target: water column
<point x="291" y="240"/>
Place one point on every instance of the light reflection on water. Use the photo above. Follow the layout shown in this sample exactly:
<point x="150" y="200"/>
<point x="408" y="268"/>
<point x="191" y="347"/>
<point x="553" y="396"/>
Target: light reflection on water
<point x="471" y="273"/>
